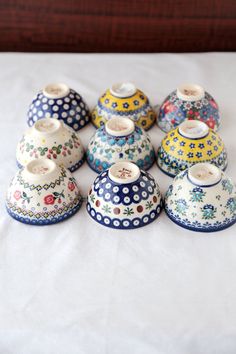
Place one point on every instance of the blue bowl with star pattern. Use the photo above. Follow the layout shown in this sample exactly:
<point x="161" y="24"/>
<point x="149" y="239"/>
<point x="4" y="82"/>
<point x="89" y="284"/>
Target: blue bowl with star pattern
<point x="60" y="102"/>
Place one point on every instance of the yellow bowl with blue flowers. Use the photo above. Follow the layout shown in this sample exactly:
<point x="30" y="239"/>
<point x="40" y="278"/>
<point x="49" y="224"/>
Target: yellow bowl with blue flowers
<point x="190" y="143"/>
<point x="124" y="100"/>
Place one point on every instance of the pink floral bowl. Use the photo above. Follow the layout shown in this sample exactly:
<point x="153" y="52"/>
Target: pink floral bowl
<point x="191" y="102"/>
<point x="51" y="138"/>
<point x="43" y="193"/>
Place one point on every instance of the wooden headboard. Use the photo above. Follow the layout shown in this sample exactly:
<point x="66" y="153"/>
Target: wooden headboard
<point x="117" y="25"/>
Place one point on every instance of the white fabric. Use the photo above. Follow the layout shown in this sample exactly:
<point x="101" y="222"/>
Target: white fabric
<point x="78" y="287"/>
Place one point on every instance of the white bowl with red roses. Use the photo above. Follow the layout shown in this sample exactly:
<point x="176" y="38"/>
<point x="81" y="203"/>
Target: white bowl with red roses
<point x="43" y="193"/>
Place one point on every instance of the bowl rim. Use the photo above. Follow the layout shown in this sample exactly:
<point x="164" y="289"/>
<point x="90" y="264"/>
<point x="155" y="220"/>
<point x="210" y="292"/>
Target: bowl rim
<point x="40" y="169"/>
<point x="56" y="90"/>
<point x="119" y="126"/>
<point x="204" y="174"/>
<point x="124" y="172"/>
<point x="193" y="129"/>
<point x="190" y="92"/>
<point x="123" y="89"/>
<point x="47" y="126"/>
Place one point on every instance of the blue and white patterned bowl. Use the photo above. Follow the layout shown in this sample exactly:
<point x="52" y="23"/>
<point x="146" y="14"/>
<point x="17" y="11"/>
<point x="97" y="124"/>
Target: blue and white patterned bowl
<point x="202" y="198"/>
<point x="43" y="193"/>
<point x="119" y="139"/>
<point x="188" y="102"/>
<point x="124" y="197"/>
<point x="61" y="102"/>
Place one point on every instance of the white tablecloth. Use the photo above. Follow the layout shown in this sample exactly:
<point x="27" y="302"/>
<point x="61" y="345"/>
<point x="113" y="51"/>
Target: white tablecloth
<point x="77" y="287"/>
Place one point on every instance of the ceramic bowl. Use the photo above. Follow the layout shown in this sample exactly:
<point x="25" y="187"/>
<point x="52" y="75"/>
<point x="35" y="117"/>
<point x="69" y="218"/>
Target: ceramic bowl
<point x="192" y="142"/>
<point x="60" y="102"/>
<point x="124" y="197"/>
<point x="124" y="100"/>
<point x="188" y="102"/>
<point x="43" y="193"/>
<point x="53" y="139"/>
<point x="202" y="198"/>
<point x="119" y="139"/>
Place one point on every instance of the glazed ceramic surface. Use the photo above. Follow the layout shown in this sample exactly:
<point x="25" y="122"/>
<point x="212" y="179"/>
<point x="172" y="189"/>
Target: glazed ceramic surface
<point x="120" y="139"/>
<point x="52" y="139"/>
<point x="124" y="197"/>
<point x="190" y="143"/>
<point x="202" y="198"/>
<point x="60" y="102"/>
<point x="188" y="102"/>
<point x="43" y="193"/>
<point x="124" y="100"/>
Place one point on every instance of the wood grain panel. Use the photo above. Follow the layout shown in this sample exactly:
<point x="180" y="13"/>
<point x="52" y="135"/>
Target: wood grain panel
<point x="117" y="25"/>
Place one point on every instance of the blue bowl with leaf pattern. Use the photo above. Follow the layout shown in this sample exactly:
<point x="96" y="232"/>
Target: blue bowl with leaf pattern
<point x="120" y="139"/>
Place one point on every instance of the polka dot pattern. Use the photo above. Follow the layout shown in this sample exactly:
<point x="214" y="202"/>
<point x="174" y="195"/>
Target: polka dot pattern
<point x="71" y="109"/>
<point x="125" y="194"/>
<point x="126" y="223"/>
<point x="124" y="206"/>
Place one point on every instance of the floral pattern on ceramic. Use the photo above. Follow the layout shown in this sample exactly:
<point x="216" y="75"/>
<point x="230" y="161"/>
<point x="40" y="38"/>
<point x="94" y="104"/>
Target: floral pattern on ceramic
<point x="192" y="142"/>
<point x="124" y="197"/>
<point x="202" y="198"/>
<point x="51" y="138"/>
<point x="43" y="193"/>
<point x="188" y="102"/>
<point x="119" y="139"/>
<point x="60" y="102"/>
<point x="124" y="100"/>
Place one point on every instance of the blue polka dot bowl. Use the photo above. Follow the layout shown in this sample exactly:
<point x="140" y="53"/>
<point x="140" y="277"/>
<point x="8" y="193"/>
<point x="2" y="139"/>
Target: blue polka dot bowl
<point x="124" y="197"/>
<point x="119" y="139"/>
<point x="60" y="102"/>
<point x="188" y="102"/>
<point x="202" y="199"/>
<point x="51" y="138"/>
<point x="190" y="143"/>
<point x="43" y="193"/>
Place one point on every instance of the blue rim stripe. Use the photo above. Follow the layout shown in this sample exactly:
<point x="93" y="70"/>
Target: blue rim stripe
<point x="165" y="172"/>
<point x="202" y="137"/>
<point x="204" y="185"/>
<point x="192" y="228"/>
<point x="121" y="226"/>
<point x="38" y="222"/>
